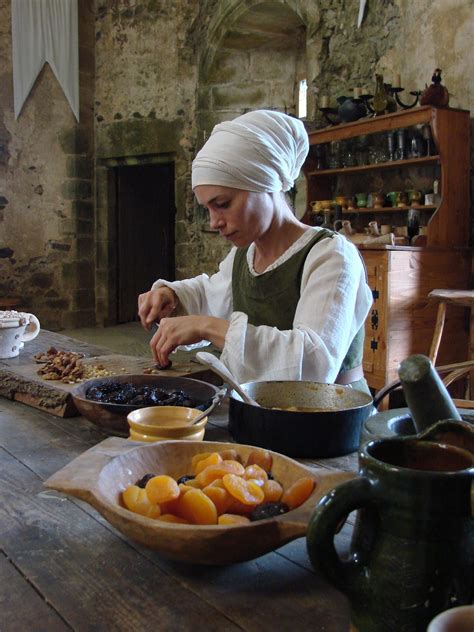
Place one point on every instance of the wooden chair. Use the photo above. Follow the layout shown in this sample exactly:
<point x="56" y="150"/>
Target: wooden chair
<point x="451" y="372"/>
<point x="459" y="298"/>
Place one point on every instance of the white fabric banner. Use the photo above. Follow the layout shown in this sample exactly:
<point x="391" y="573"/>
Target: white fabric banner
<point x="45" y="31"/>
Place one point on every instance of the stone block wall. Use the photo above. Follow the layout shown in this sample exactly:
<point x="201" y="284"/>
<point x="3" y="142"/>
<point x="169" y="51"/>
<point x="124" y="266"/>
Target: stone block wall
<point x="47" y="251"/>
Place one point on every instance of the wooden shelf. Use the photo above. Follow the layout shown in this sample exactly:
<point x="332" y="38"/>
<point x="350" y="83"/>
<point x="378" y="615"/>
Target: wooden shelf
<point x="390" y="209"/>
<point x="393" y="164"/>
<point x="371" y="125"/>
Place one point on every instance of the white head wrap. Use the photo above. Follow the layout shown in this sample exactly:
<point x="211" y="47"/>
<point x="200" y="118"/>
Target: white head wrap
<point x="260" y="151"/>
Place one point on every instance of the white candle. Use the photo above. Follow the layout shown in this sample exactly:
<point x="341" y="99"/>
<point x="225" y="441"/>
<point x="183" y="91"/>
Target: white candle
<point x="324" y="102"/>
<point x="397" y="82"/>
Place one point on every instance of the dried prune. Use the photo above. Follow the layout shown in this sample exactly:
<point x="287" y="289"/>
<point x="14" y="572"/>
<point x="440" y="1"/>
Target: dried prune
<point x="185" y="479"/>
<point x="144" y="480"/>
<point x="268" y="510"/>
<point x="146" y="395"/>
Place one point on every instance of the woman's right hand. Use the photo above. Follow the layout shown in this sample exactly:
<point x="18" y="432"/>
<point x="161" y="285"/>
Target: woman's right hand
<point x="155" y="305"/>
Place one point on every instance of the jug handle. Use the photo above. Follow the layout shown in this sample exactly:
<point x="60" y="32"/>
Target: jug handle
<point x="336" y="224"/>
<point x="32" y="330"/>
<point x="331" y="510"/>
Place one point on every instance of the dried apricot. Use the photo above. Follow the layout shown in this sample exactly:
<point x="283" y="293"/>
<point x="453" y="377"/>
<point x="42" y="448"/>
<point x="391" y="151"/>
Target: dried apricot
<point x="193" y="483"/>
<point x="230" y="455"/>
<point x="211" y="472"/>
<point x="183" y="488"/>
<point x="254" y="471"/>
<point x="244" y="491"/>
<point x="231" y="519"/>
<point x="135" y="499"/>
<point x="236" y="507"/>
<point x="217" y="483"/>
<point x="262" y="458"/>
<point x="172" y="518"/>
<point x="213" y="459"/>
<point x="272" y="490"/>
<point x="197" y="508"/>
<point x="198" y="457"/>
<point x="297" y="493"/>
<point x="219" y="496"/>
<point x="161" y="489"/>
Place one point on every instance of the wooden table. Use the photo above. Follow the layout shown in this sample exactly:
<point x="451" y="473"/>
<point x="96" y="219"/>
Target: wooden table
<point x="63" y="567"/>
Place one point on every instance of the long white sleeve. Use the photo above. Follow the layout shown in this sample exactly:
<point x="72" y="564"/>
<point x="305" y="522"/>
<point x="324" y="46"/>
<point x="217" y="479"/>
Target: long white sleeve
<point x="205" y="294"/>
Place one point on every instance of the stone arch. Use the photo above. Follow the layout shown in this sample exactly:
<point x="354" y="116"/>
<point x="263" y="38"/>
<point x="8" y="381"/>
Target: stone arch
<point x="247" y="58"/>
<point x="229" y="12"/>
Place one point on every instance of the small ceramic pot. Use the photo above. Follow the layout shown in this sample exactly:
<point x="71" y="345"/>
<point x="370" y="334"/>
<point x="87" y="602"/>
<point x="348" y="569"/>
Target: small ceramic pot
<point x="414" y="196"/>
<point x="392" y="198"/>
<point x="401" y="198"/>
<point x="378" y="198"/>
<point x="361" y="200"/>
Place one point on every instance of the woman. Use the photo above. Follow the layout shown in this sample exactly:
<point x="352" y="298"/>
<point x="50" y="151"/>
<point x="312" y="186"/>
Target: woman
<point x="289" y="301"/>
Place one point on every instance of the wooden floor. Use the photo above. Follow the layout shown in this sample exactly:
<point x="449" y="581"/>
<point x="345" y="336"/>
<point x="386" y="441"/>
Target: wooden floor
<point x="63" y="567"/>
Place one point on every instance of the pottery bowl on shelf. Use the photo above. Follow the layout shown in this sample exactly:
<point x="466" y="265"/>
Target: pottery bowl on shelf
<point x="112" y="417"/>
<point x="158" y="423"/>
<point x="99" y="475"/>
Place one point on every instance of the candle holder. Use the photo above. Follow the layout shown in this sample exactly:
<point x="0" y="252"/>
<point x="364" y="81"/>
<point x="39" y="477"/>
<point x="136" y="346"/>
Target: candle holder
<point x="327" y="113"/>
<point x="394" y="92"/>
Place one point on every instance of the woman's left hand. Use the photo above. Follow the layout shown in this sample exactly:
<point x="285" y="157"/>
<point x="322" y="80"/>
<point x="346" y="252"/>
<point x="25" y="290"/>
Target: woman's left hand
<point x="185" y="330"/>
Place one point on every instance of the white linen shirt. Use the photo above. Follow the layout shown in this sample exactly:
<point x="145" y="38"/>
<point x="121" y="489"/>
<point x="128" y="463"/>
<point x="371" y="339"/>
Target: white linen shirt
<point x="334" y="302"/>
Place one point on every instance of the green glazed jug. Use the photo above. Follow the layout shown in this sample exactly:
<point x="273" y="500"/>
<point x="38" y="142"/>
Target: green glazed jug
<point x="412" y="550"/>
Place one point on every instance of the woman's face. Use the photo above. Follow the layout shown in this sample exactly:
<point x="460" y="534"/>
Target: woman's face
<point x="240" y="216"/>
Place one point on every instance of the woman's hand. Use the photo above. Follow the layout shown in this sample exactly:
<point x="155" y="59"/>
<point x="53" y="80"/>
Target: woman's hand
<point x="186" y="330"/>
<point x="155" y="305"/>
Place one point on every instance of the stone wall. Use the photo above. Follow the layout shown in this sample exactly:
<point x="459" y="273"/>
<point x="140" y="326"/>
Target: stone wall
<point x="165" y="72"/>
<point x="46" y="189"/>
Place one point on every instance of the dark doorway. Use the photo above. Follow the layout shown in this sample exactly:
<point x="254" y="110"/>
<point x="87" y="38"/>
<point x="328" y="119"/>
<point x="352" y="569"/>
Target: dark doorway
<point x="145" y="232"/>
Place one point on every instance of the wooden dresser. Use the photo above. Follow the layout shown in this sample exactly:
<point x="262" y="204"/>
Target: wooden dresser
<point x="401" y="321"/>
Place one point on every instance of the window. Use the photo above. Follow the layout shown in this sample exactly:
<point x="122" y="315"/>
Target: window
<point x="302" y="102"/>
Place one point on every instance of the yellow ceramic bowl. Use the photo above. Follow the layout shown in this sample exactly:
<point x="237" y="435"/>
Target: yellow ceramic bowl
<point x="158" y="423"/>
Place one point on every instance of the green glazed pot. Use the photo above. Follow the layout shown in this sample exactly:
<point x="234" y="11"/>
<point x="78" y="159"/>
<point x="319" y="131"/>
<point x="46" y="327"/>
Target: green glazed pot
<point x="412" y="551"/>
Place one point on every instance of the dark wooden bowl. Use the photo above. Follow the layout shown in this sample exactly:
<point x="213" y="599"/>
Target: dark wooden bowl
<point x="99" y="475"/>
<point x="112" y="418"/>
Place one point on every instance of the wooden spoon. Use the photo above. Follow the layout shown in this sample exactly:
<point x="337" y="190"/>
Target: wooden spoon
<point x="219" y="367"/>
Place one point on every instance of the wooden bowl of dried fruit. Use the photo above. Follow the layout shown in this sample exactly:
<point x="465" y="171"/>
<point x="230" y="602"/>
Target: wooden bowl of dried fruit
<point x="202" y="503"/>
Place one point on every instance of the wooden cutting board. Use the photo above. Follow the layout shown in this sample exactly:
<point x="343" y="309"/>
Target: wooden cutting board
<point x="19" y="379"/>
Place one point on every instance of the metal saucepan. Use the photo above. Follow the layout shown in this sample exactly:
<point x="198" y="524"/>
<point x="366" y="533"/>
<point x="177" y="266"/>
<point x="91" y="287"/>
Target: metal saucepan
<point x="324" y="420"/>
